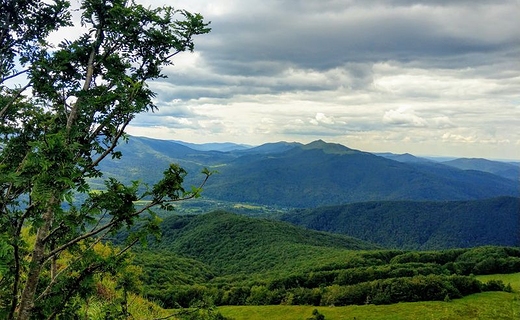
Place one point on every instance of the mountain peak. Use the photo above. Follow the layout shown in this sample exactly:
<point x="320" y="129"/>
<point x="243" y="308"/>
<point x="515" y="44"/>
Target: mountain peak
<point x="326" y="147"/>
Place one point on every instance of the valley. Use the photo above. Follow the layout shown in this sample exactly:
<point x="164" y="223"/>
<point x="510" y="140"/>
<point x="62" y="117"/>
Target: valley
<point x="298" y="227"/>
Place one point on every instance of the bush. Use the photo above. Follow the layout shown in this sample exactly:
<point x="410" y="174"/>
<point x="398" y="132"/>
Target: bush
<point x="493" y="285"/>
<point x="316" y="315"/>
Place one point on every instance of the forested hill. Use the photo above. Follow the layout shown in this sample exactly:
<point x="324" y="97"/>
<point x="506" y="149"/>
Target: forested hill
<point x="503" y="169"/>
<point x="231" y="243"/>
<point x="326" y="174"/>
<point x="302" y="176"/>
<point x="420" y="224"/>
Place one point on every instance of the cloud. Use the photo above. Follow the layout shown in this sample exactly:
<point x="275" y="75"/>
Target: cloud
<point x="433" y="76"/>
<point x="321" y="118"/>
<point x="404" y="116"/>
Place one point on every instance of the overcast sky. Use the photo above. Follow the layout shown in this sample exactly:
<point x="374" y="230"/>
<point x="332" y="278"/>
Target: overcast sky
<point x="425" y="77"/>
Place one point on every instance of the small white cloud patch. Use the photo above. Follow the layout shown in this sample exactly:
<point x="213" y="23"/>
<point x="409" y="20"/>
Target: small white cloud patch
<point x="404" y="116"/>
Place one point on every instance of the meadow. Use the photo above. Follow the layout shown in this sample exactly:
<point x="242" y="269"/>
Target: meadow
<point x="486" y="305"/>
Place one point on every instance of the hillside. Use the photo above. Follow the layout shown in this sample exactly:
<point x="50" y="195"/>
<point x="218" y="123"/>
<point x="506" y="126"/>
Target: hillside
<point x="326" y="174"/>
<point x="145" y="159"/>
<point x="237" y="260"/>
<point x="502" y="169"/>
<point x="293" y="175"/>
<point x="418" y="224"/>
<point x="233" y="244"/>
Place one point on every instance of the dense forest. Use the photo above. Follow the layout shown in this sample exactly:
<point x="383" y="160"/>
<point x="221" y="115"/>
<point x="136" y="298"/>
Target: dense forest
<point x="420" y="224"/>
<point x="235" y="260"/>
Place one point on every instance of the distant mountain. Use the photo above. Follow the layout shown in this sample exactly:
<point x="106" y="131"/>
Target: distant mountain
<point x="295" y="176"/>
<point x="405" y="157"/>
<point x="322" y="173"/>
<point x="215" y="146"/>
<point x="503" y="169"/>
<point x="231" y="243"/>
<point x="145" y="159"/>
<point x="276" y="147"/>
<point x="420" y="224"/>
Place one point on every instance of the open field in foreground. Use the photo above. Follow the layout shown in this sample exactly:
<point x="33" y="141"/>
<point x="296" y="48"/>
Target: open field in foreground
<point x="487" y="305"/>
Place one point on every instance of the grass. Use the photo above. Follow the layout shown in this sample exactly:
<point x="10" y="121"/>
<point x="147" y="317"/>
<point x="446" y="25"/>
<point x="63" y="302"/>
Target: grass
<point x="512" y="278"/>
<point x="486" y="305"/>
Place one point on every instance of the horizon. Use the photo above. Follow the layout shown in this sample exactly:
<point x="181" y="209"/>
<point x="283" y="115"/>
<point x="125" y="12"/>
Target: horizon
<point x="423" y="77"/>
<point x="245" y="145"/>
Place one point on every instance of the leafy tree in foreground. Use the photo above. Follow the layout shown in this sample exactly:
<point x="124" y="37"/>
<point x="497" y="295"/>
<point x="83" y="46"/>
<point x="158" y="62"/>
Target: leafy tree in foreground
<point x="67" y="115"/>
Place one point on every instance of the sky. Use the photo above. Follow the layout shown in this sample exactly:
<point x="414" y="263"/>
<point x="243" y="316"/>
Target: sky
<point x="433" y="77"/>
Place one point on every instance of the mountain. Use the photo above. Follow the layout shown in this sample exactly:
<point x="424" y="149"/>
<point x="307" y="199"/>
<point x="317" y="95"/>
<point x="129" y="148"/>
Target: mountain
<point x="420" y="224"/>
<point x="322" y="173"/>
<point x="405" y="157"/>
<point x="294" y="175"/>
<point x="215" y="146"/>
<point x="503" y="169"/>
<point x="231" y="243"/>
<point x="275" y="147"/>
<point x="145" y="159"/>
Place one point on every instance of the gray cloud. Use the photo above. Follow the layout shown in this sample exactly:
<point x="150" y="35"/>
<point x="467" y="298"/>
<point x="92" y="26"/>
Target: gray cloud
<point x="429" y="75"/>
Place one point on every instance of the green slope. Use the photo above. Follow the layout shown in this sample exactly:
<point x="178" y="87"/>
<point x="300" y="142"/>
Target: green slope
<point x="233" y="244"/>
<point x="294" y="175"/>
<point x="420" y="224"/>
<point x="503" y="169"/>
<point x="329" y="174"/>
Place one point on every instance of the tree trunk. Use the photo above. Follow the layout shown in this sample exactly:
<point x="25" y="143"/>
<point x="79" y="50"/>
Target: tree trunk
<point x="35" y="268"/>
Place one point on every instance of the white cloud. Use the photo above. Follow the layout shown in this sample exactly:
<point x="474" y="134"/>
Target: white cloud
<point x="403" y="116"/>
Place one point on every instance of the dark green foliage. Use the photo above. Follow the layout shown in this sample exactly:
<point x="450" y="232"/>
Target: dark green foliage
<point x="493" y="285"/>
<point x="236" y="244"/>
<point x="63" y="111"/>
<point x="316" y="315"/>
<point x="419" y="288"/>
<point x="267" y="262"/>
<point x="420" y="225"/>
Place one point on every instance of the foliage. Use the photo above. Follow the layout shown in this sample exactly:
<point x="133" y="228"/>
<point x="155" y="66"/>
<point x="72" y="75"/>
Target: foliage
<point x="316" y="315"/>
<point x="423" y="225"/>
<point x="251" y="261"/>
<point x="59" y="126"/>
<point x="236" y="244"/>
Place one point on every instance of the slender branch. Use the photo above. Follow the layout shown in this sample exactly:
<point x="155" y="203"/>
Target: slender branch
<point x="54" y="280"/>
<point x="55" y="230"/>
<point x="125" y="249"/>
<point x="99" y="221"/>
<point x="89" y="77"/>
<point x="16" y="96"/>
<point x="14" y="75"/>
<point x="112" y="146"/>
<point x="171" y="56"/>
<point x="95" y="232"/>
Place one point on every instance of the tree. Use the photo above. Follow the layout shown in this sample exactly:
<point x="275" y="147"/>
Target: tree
<point x="55" y="129"/>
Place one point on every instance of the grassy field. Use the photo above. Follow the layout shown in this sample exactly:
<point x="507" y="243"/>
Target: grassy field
<point x="487" y="305"/>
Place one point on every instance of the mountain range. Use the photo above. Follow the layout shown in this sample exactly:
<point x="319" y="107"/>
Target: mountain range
<point x="294" y="175"/>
